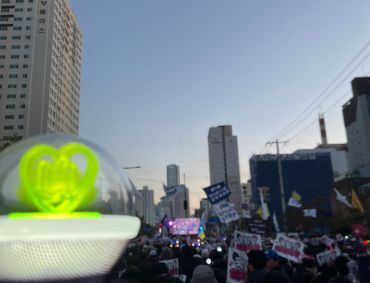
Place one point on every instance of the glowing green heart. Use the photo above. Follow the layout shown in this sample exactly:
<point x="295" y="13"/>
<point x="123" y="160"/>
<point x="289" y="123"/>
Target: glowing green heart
<point x="52" y="182"/>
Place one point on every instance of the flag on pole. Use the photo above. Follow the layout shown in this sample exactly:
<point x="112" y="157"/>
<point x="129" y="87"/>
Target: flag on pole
<point x="296" y="196"/>
<point x="356" y="202"/>
<point x="341" y="198"/>
<point x="310" y="213"/>
<point x="293" y="202"/>
<point x="276" y="224"/>
<point x="265" y="211"/>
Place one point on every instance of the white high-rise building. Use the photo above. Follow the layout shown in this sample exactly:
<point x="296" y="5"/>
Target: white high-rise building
<point x="40" y="68"/>
<point x="224" y="161"/>
<point x="145" y="205"/>
<point x="173" y="175"/>
<point x="356" y="114"/>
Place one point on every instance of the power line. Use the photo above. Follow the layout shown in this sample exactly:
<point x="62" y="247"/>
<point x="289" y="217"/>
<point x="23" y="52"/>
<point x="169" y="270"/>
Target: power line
<point x="307" y="111"/>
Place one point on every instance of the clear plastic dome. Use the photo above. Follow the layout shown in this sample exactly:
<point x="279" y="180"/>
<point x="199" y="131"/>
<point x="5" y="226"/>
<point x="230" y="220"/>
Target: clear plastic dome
<point x="62" y="175"/>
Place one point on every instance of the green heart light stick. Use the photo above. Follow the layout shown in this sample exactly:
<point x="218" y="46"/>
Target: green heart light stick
<point x="52" y="182"/>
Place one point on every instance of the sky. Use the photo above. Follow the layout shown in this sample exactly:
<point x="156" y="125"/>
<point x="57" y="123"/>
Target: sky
<point x="157" y="74"/>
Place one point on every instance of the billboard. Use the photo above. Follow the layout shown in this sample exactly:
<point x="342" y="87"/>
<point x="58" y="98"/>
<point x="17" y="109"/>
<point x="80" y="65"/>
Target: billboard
<point x="185" y="226"/>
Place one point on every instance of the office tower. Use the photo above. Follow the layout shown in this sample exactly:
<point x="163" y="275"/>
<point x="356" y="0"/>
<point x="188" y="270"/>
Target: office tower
<point x="145" y="205"/>
<point x="40" y="67"/>
<point x="309" y="174"/>
<point x="173" y="175"/>
<point x="181" y="203"/>
<point x="356" y="113"/>
<point x="224" y="161"/>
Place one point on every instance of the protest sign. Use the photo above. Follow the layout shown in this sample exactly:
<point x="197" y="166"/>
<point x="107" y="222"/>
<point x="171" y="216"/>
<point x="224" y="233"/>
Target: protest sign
<point x="217" y="192"/>
<point x="257" y="226"/>
<point x="327" y="257"/>
<point x="288" y="248"/>
<point x="236" y="266"/>
<point x="327" y="241"/>
<point x="247" y="241"/>
<point x="173" y="266"/>
<point x="173" y="191"/>
<point x="226" y="212"/>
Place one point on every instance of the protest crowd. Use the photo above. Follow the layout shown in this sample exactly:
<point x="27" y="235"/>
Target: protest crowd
<point x="245" y="257"/>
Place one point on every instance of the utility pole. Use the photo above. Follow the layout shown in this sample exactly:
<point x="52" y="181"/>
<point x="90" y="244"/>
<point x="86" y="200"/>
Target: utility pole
<point x="281" y="179"/>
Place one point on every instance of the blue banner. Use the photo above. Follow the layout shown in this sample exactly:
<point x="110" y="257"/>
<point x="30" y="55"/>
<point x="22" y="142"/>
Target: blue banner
<point x="217" y="192"/>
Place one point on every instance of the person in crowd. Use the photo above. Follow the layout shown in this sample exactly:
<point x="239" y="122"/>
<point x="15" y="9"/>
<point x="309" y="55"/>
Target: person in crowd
<point x="276" y="277"/>
<point x="272" y="263"/>
<point x="306" y="272"/>
<point x="256" y="266"/>
<point x="166" y="254"/>
<point x="203" y="274"/>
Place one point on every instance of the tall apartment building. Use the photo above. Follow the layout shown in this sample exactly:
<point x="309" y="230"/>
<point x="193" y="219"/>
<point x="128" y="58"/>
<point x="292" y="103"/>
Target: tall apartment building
<point x="40" y="67"/>
<point x="145" y="205"/>
<point x="356" y="113"/>
<point x="173" y="175"/>
<point x="224" y="161"/>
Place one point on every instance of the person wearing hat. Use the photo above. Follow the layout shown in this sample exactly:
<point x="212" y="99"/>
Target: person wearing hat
<point x="203" y="274"/>
<point x="272" y="263"/>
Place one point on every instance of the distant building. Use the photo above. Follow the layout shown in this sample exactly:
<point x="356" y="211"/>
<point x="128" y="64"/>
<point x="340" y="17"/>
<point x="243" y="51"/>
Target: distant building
<point x="165" y="207"/>
<point x="204" y="205"/>
<point x="224" y="161"/>
<point x="338" y="154"/>
<point x="40" y="69"/>
<point x="247" y="192"/>
<point x="356" y="114"/>
<point x="173" y="175"/>
<point x="310" y="175"/>
<point x="181" y="203"/>
<point x="145" y="205"/>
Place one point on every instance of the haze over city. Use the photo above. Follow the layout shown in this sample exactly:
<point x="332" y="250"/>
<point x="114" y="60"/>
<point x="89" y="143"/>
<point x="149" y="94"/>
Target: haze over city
<point x="156" y="75"/>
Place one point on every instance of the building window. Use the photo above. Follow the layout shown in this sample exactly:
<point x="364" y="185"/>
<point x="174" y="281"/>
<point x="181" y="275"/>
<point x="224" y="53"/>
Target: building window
<point x="25" y="76"/>
<point x="27" y="46"/>
<point x="14" y="56"/>
<point x="23" y="95"/>
<point x="22" y="106"/>
<point x="8" y="127"/>
<point x="10" y="106"/>
<point x="19" y="9"/>
<point x="14" y="66"/>
<point x="17" y="28"/>
<point x="3" y="37"/>
<point x="5" y="1"/>
<point x="17" y="19"/>
<point x="29" y="9"/>
<point x="12" y="86"/>
<point x="16" y="37"/>
<point x="20" y="127"/>
<point x="2" y="46"/>
<point x="11" y="96"/>
<point x="13" y="76"/>
<point x="28" y="37"/>
<point x="28" y="27"/>
<point x="2" y="56"/>
<point x="19" y="1"/>
<point x="9" y="117"/>
<point x="3" y="28"/>
<point x="25" y="66"/>
<point x="16" y="47"/>
<point x="29" y="18"/>
<point x="26" y="56"/>
<point x="24" y="85"/>
<point x="21" y="116"/>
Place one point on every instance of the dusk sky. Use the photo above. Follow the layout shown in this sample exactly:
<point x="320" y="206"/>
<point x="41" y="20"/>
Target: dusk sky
<point x="158" y="73"/>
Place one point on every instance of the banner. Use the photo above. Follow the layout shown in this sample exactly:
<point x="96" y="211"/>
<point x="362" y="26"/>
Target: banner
<point x="173" y="191"/>
<point x="247" y="241"/>
<point x="217" y="192"/>
<point x="173" y="267"/>
<point x="276" y="223"/>
<point x="257" y="226"/>
<point x="288" y="248"/>
<point x="327" y="257"/>
<point x="341" y="198"/>
<point x="327" y="241"/>
<point x="236" y="266"/>
<point x="226" y="212"/>
<point x="356" y="203"/>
